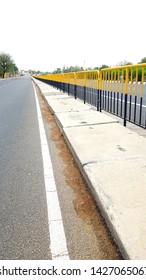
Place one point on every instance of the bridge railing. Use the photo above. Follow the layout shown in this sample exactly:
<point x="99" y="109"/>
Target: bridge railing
<point x="120" y="90"/>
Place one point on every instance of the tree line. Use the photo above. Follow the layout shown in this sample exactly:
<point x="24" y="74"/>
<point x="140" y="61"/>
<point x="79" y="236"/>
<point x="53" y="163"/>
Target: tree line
<point x="78" y="68"/>
<point x="112" y="73"/>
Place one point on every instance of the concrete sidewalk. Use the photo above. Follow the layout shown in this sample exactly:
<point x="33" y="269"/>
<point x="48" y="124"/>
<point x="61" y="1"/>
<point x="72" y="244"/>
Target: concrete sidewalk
<point x="112" y="159"/>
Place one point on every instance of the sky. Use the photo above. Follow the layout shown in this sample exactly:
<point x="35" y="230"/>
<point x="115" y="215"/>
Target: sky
<point x="48" y="34"/>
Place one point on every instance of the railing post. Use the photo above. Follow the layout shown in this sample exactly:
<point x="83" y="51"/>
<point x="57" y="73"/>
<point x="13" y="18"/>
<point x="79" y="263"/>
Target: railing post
<point x="126" y="94"/>
<point x="84" y="94"/>
<point x="63" y="87"/>
<point x="62" y="81"/>
<point x="99" y="97"/>
<point x="68" y="89"/>
<point x="75" y="92"/>
<point x="125" y="110"/>
<point x="84" y="87"/>
<point x="75" y="86"/>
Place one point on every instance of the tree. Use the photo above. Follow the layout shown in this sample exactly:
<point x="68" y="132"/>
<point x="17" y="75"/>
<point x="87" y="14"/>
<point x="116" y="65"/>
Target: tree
<point x="124" y="62"/>
<point x="12" y="69"/>
<point x="143" y="60"/>
<point x="88" y="69"/>
<point x="6" y="62"/>
<point x="57" y="71"/>
<point x="103" y="66"/>
<point x="72" y="69"/>
<point x="68" y="69"/>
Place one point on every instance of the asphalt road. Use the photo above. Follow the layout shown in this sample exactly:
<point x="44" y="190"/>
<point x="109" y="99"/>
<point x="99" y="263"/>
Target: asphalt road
<point x="23" y="217"/>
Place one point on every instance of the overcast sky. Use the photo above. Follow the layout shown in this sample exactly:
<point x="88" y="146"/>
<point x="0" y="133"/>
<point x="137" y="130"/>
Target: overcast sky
<point x="46" y="34"/>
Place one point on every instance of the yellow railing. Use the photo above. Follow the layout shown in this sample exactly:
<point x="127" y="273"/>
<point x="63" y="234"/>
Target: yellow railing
<point x="118" y="90"/>
<point x="119" y="79"/>
<point x="83" y="78"/>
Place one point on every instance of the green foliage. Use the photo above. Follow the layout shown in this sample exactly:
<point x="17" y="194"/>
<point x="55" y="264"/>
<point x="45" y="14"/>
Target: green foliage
<point x="68" y="69"/>
<point x="143" y="60"/>
<point x="139" y="74"/>
<point x="57" y="71"/>
<point x="124" y="62"/>
<point x="72" y="69"/>
<point x="7" y="64"/>
<point x="88" y="69"/>
<point x="103" y="66"/>
<point x="12" y="69"/>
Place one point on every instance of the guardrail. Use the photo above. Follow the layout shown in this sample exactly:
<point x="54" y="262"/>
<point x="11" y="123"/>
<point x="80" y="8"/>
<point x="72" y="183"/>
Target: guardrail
<point x="120" y="90"/>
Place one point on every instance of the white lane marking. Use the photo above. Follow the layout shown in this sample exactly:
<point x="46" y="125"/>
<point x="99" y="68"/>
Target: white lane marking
<point x="58" y="245"/>
<point x="123" y="101"/>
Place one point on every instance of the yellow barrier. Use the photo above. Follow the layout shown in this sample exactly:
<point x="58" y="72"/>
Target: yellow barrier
<point x="83" y="78"/>
<point x="118" y="90"/>
<point x="120" y="79"/>
<point x="117" y="78"/>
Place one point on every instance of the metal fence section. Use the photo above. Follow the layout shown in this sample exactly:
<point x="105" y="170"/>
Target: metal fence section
<point x="124" y="92"/>
<point x="120" y="90"/>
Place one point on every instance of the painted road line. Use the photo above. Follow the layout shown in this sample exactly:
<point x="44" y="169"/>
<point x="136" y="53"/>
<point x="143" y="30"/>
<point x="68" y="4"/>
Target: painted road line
<point x="123" y="101"/>
<point x="58" y="245"/>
